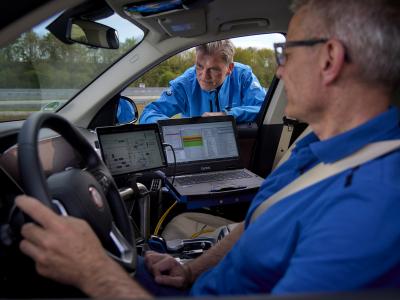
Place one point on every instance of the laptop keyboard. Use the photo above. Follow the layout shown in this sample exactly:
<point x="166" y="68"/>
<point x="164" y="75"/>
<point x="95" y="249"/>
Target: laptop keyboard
<point x="212" y="177"/>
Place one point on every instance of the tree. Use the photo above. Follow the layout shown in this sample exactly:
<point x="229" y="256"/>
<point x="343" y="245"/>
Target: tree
<point x="43" y="60"/>
<point x="262" y="62"/>
<point x="28" y="47"/>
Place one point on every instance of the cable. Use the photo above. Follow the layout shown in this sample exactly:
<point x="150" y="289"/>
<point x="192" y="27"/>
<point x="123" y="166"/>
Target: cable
<point x="173" y="153"/>
<point x="172" y="183"/>
<point x="201" y="231"/>
<point x="163" y="218"/>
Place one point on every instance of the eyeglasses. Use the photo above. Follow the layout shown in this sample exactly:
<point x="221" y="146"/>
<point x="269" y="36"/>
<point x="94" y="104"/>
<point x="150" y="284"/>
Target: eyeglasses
<point x="280" y="48"/>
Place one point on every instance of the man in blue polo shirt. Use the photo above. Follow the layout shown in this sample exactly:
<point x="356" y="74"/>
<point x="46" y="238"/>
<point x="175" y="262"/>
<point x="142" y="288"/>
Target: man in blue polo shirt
<point x="342" y="233"/>
<point x="215" y="86"/>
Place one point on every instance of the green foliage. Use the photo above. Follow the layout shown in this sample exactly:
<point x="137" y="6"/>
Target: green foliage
<point x="166" y="77"/>
<point x="262" y="62"/>
<point x="34" y="61"/>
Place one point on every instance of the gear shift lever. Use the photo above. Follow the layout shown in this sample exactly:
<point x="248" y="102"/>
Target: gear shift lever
<point x="144" y="207"/>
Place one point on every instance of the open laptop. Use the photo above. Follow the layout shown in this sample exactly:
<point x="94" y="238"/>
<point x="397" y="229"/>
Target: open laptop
<point x="130" y="149"/>
<point x="207" y="157"/>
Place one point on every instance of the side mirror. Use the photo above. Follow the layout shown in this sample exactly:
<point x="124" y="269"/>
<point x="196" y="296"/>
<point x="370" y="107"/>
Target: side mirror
<point x="93" y="34"/>
<point x="127" y="111"/>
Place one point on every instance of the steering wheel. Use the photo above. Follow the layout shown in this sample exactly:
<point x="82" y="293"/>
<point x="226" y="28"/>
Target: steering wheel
<point x="89" y="193"/>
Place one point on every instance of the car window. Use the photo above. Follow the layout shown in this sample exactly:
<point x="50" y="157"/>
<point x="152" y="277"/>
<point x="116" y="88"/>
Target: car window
<point x="39" y="72"/>
<point x="255" y="51"/>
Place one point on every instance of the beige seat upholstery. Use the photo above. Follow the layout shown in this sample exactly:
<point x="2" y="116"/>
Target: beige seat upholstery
<point x="191" y="225"/>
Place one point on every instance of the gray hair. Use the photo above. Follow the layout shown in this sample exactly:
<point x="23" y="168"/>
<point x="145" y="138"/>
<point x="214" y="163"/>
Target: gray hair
<point x="224" y="48"/>
<point x="369" y="29"/>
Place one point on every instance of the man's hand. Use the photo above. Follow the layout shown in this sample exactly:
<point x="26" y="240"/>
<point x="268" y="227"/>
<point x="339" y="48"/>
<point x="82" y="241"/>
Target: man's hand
<point x="213" y="114"/>
<point x="64" y="248"/>
<point x="166" y="270"/>
<point x="67" y="250"/>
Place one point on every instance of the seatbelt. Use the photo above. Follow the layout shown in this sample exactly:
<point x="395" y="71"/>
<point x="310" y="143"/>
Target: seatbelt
<point x="288" y="152"/>
<point x="323" y="171"/>
<point x="284" y="141"/>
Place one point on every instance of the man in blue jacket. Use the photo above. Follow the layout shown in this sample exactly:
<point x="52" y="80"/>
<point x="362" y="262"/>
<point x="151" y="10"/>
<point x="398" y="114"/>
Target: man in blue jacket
<point x="215" y="86"/>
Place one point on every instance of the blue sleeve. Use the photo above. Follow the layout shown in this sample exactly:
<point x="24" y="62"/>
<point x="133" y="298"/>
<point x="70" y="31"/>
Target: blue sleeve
<point x="351" y="243"/>
<point x="125" y="112"/>
<point x="171" y="102"/>
<point x="252" y="94"/>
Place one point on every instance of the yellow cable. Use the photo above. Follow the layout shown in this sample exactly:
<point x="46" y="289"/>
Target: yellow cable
<point x="163" y="218"/>
<point x="197" y="234"/>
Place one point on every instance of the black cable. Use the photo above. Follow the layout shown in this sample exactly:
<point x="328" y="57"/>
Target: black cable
<point x="173" y="153"/>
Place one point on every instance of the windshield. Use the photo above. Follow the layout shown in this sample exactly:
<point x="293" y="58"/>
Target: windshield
<point x="39" y="72"/>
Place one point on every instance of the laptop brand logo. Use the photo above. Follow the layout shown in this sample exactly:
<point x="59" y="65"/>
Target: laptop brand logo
<point x="205" y="168"/>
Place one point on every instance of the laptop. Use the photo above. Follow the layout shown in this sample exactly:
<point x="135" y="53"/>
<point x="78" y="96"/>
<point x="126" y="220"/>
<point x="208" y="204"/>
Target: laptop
<point x="205" y="159"/>
<point x="129" y="149"/>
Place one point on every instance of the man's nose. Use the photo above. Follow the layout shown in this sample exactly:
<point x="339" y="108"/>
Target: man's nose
<point x="205" y="74"/>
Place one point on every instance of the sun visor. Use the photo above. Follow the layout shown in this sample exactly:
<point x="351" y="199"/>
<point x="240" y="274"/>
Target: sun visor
<point x="187" y="24"/>
<point x="183" y="18"/>
<point x="143" y="9"/>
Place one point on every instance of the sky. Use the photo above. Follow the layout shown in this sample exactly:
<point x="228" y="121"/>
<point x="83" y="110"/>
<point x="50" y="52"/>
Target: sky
<point x="258" y="41"/>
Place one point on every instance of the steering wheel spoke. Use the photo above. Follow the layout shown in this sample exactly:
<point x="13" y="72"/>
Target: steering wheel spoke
<point x="126" y="255"/>
<point x="104" y="179"/>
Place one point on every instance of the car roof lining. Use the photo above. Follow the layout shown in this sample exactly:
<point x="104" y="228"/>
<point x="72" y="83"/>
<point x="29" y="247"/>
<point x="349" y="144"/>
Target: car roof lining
<point x="11" y="13"/>
<point x="214" y="18"/>
<point x="23" y="20"/>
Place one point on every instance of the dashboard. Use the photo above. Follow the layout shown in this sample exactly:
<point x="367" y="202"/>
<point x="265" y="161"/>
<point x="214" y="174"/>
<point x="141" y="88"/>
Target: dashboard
<point x="55" y="155"/>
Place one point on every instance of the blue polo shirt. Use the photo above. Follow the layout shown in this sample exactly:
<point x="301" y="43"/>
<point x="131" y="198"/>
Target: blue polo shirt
<point x="340" y="234"/>
<point x="240" y="95"/>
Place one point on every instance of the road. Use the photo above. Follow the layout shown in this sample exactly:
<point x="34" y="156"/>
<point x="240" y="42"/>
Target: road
<point x="16" y="100"/>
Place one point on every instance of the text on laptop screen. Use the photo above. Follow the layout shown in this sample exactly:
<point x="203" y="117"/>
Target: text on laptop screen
<point x="133" y="151"/>
<point x="203" y="141"/>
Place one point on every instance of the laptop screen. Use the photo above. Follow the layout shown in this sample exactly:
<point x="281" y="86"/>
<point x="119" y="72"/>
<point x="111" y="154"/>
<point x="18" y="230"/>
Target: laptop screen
<point x="196" y="140"/>
<point x="131" y="148"/>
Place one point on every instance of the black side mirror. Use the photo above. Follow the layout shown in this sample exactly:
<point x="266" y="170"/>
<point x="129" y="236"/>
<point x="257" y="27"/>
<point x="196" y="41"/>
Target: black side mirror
<point x="126" y="111"/>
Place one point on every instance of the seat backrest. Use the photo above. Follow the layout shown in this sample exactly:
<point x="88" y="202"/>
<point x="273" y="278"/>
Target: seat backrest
<point x="289" y="150"/>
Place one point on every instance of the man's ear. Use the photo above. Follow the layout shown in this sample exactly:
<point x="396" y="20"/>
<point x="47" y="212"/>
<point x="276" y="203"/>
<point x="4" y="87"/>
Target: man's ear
<point x="332" y="60"/>
<point x="230" y="68"/>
